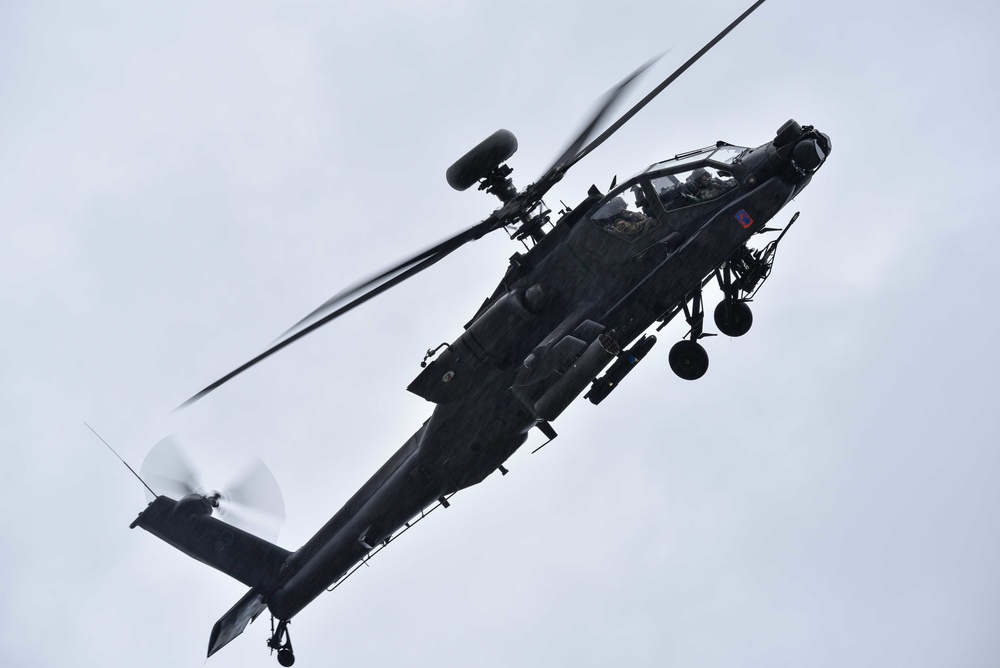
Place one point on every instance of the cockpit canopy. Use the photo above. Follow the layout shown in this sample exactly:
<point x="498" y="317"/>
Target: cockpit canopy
<point x="721" y="155"/>
<point x="642" y="203"/>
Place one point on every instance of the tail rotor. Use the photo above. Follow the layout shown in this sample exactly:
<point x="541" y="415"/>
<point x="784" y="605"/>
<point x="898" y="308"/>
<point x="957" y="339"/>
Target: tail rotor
<point x="252" y="501"/>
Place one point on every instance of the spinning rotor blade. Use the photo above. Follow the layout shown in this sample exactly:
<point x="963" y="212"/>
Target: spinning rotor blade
<point x="254" y="503"/>
<point x="167" y="471"/>
<point x="659" y="89"/>
<point x="422" y="260"/>
<point x="567" y="158"/>
<point x="391" y="277"/>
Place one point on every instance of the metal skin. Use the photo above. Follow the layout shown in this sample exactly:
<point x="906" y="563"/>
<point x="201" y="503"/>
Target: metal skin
<point x="564" y="311"/>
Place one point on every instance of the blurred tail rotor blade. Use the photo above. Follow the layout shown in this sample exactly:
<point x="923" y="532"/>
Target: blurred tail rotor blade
<point x="255" y="503"/>
<point x="257" y="490"/>
<point x="167" y="471"/>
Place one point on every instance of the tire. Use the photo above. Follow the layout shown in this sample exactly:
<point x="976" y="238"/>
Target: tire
<point x="733" y="318"/>
<point x="688" y="360"/>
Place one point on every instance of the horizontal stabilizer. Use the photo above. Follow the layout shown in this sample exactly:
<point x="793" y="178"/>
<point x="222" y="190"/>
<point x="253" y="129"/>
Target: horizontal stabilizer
<point x="236" y="620"/>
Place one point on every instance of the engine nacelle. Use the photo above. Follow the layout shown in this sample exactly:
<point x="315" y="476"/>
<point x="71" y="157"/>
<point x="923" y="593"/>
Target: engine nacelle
<point x="487" y="340"/>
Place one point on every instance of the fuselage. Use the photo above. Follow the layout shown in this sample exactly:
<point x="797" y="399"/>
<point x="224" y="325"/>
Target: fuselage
<point x="606" y="272"/>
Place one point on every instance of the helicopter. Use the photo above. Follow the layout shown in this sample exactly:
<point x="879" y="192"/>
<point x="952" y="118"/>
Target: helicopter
<point x="569" y="317"/>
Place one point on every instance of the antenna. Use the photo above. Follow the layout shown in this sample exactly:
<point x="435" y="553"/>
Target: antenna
<point x="122" y="461"/>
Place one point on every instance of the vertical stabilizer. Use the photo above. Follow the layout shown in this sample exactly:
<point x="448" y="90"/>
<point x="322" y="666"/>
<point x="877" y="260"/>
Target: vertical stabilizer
<point x="236" y="620"/>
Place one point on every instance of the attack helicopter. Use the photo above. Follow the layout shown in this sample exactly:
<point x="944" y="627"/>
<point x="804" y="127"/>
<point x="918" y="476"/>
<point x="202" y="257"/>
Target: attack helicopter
<point x="569" y="317"/>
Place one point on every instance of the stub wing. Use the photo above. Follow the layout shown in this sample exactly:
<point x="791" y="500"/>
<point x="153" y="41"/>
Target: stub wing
<point x="236" y="620"/>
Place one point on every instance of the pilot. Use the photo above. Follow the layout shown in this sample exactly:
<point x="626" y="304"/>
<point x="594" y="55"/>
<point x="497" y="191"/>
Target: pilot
<point x="672" y="197"/>
<point x="616" y="216"/>
<point x="696" y="188"/>
<point x="701" y="186"/>
<point x="631" y="223"/>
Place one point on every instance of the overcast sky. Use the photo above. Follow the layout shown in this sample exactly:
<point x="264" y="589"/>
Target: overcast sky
<point x="180" y="182"/>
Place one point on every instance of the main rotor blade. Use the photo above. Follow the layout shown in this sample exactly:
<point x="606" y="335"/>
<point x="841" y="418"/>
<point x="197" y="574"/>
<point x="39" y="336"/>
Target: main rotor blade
<point x="609" y="99"/>
<point x="443" y="248"/>
<point x="413" y="266"/>
<point x="659" y="89"/>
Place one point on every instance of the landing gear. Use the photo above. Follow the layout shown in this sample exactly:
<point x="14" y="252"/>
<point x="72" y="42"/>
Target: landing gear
<point x="740" y="276"/>
<point x="733" y="317"/>
<point x="738" y="280"/>
<point x="281" y="641"/>
<point x="687" y="358"/>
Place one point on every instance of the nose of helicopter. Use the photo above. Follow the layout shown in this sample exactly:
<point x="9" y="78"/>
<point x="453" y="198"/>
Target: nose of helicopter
<point x="805" y="152"/>
<point x="801" y="150"/>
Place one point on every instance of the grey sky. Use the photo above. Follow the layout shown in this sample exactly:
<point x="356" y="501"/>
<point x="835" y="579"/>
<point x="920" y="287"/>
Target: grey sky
<point x="179" y="183"/>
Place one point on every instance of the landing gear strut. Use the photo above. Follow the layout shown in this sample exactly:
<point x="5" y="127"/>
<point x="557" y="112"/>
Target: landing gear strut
<point x="740" y="277"/>
<point x="732" y="316"/>
<point x="281" y="641"/>
<point x="687" y="358"/>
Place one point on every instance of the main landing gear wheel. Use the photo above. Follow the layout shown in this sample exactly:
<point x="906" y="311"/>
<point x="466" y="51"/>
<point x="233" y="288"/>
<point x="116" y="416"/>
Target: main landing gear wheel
<point x="733" y="318"/>
<point x="688" y="359"/>
<point x="285" y="657"/>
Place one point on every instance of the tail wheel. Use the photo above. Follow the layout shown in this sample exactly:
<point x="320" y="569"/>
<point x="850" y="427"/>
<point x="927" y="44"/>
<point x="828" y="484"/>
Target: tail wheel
<point x="733" y="318"/>
<point x="285" y="657"/>
<point x="688" y="359"/>
<point x="281" y="640"/>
